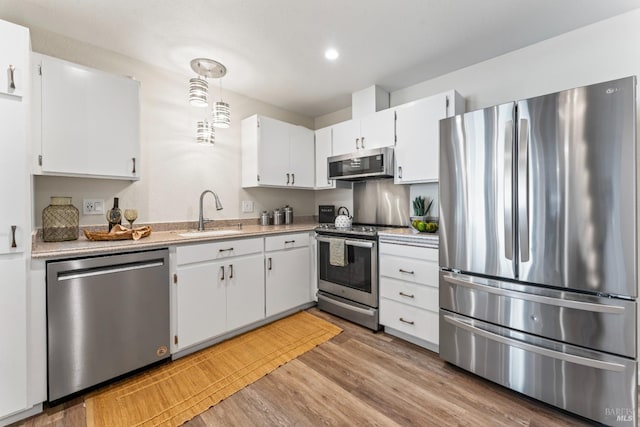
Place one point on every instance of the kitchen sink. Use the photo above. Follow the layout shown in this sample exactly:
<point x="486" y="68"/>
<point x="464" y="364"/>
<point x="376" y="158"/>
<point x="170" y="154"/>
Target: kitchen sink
<point x="209" y="233"/>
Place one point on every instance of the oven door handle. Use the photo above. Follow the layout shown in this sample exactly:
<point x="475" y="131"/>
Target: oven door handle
<point x="349" y="242"/>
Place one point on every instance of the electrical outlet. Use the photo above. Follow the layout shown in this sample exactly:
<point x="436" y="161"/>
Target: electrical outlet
<point x="92" y="206"/>
<point x="247" y="206"/>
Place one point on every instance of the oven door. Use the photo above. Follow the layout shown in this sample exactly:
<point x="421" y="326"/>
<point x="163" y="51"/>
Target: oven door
<point x="358" y="280"/>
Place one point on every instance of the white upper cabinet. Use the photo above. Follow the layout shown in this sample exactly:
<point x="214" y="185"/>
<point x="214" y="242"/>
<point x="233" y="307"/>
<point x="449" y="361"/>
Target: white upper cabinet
<point x="276" y="154"/>
<point x="372" y="131"/>
<point x="323" y="151"/>
<point x="417" y="148"/>
<point x="14" y="184"/>
<point x="89" y="123"/>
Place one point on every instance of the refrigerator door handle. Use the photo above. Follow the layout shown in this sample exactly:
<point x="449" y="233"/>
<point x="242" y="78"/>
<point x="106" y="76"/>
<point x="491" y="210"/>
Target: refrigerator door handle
<point x="523" y="189"/>
<point x="508" y="190"/>
<point x="558" y="302"/>
<point x="565" y="357"/>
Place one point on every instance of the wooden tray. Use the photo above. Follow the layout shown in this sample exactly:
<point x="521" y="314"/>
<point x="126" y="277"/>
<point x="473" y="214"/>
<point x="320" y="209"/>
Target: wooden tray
<point x="119" y="232"/>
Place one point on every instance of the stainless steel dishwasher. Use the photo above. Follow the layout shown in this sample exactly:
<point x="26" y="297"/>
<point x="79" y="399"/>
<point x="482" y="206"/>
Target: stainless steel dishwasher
<point x="106" y="316"/>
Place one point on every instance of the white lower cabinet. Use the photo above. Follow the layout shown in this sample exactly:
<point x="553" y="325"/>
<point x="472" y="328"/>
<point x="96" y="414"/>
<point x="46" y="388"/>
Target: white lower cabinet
<point x="287" y="272"/>
<point x="219" y="288"/>
<point x="409" y="291"/>
<point x="13" y="336"/>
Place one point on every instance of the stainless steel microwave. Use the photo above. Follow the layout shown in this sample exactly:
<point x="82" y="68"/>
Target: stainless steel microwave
<point x="362" y="164"/>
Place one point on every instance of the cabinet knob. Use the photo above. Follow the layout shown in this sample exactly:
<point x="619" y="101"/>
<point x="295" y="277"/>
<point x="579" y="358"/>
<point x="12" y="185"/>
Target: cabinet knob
<point x="13" y="237"/>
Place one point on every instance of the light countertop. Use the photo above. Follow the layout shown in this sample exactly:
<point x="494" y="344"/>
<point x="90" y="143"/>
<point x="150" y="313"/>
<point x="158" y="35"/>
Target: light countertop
<point x="83" y="246"/>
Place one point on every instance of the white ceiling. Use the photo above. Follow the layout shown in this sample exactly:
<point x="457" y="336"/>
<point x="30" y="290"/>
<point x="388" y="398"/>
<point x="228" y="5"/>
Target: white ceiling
<point x="274" y="49"/>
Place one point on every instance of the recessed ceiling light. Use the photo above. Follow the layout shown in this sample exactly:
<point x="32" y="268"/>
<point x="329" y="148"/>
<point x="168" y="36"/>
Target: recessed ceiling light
<point x="331" y="54"/>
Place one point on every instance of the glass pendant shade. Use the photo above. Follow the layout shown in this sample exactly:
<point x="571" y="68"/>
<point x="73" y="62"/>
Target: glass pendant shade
<point x="205" y="133"/>
<point x="221" y="115"/>
<point x="198" y="92"/>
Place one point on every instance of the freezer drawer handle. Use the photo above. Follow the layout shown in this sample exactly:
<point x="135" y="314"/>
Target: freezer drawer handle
<point x="571" y="358"/>
<point x="577" y="305"/>
<point x="79" y="274"/>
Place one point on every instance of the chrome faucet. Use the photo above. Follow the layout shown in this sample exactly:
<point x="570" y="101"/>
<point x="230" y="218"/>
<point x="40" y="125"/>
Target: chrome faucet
<point x="201" y="219"/>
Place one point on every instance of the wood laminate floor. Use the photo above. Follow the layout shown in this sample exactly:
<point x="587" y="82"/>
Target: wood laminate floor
<point x="360" y="378"/>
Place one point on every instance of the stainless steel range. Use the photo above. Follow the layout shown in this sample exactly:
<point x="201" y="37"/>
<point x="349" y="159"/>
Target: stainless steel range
<point x="348" y="257"/>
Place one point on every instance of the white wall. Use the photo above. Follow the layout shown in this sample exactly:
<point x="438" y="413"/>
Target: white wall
<point x="175" y="169"/>
<point x="603" y="51"/>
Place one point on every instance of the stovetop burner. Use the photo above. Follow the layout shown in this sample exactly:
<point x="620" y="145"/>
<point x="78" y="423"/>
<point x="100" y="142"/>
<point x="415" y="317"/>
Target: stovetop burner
<point x="362" y="230"/>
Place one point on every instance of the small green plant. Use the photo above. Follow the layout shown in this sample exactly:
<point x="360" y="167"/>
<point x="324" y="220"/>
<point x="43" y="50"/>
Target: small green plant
<point x="419" y="208"/>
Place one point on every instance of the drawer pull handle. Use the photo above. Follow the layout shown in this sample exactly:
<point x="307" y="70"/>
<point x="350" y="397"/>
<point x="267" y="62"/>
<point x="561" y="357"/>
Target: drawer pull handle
<point x="406" y="271"/>
<point x="225" y="250"/>
<point x="408" y="322"/>
<point x="269" y="263"/>
<point x="133" y="171"/>
<point x="222" y="271"/>
<point x="230" y="271"/>
<point x="13" y="237"/>
<point x="406" y="295"/>
<point x="289" y="241"/>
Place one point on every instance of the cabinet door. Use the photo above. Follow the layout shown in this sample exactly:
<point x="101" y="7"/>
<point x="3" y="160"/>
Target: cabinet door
<point x="13" y="336"/>
<point x="273" y="151"/>
<point x="245" y="291"/>
<point x="344" y="137"/>
<point x="14" y="50"/>
<point x="378" y="129"/>
<point x="90" y="121"/>
<point x="201" y="302"/>
<point x="323" y="151"/>
<point x="301" y="157"/>
<point x="418" y="147"/>
<point x="287" y="280"/>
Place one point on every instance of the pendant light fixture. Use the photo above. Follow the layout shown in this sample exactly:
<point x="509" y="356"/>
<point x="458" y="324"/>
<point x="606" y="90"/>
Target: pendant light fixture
<point x="199" y="96"/>
<point x="221" y="113"/>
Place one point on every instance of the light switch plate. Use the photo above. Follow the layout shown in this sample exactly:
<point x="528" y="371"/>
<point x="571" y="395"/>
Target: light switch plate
<point x="247" y="206"/>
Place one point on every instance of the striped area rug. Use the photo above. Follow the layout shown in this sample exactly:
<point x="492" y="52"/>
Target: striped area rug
<point x="172" y="394"/>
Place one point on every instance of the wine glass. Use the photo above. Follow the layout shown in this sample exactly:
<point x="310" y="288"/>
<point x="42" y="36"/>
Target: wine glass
<point x="130" y="215"/>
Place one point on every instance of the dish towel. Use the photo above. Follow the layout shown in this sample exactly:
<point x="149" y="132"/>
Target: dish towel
<point x="337" y="252"/>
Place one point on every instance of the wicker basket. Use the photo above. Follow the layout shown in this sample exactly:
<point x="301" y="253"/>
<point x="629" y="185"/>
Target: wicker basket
<point x="60" y="220"/>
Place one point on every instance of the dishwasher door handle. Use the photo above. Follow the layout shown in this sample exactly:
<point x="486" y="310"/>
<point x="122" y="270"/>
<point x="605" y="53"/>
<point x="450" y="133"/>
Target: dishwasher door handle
<point x="99" y="271"/>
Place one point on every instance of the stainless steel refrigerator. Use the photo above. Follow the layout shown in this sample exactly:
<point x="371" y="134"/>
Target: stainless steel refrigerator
<point x="538" y="248"/>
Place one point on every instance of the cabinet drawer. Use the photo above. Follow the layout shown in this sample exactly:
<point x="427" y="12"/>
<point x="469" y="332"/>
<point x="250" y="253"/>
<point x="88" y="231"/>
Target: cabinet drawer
<point x="414" y="321"/>
<point x="427" y="254"/>
<point x="418" y="296"/>
<point x="286" y="241"/>
<point x="217" y="250"/>
<point x="409" y="269"/>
